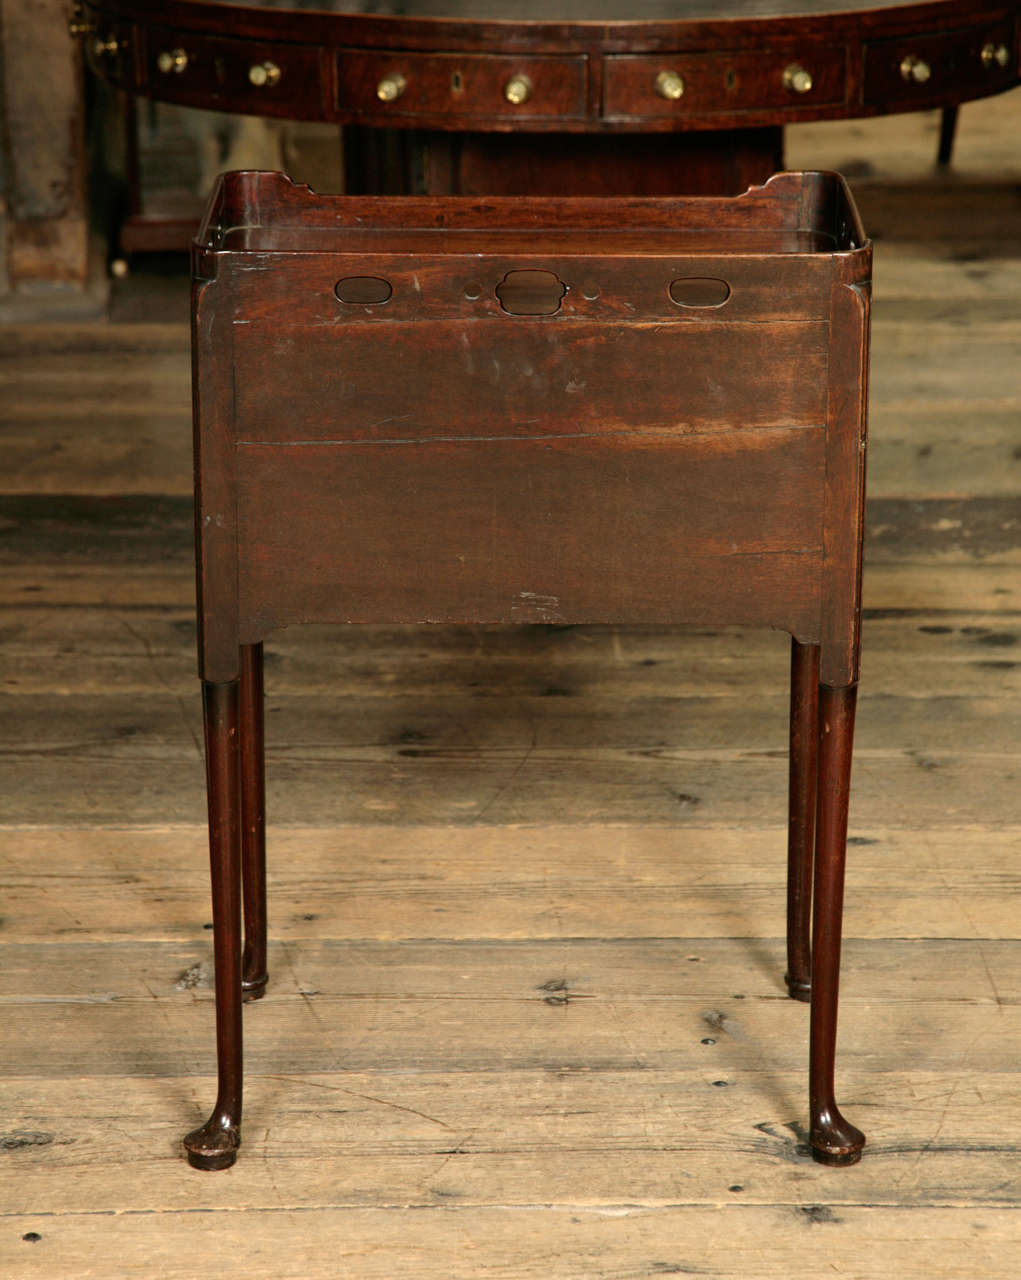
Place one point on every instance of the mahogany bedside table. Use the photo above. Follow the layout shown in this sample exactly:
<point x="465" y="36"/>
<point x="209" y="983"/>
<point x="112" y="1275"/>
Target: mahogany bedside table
<point x="514" y="410"/>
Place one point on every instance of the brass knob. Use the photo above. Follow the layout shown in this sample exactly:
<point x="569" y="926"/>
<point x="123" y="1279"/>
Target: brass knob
<point x="391" y="87"/>
<point x="264" y="75"/>
<point x="517" y="90"/>
<point x="797" y="79"/>
<point x="670" y="85"/>
<point x="79" y="27"/>
<point x="101" y="48"/>
<point x="915" y="70"/>
<point x="994" y="55"/>
<point x="172" y="60"/>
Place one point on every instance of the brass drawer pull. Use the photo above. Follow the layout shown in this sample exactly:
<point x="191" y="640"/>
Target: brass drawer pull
<point x="994" y="55"/>
<point x="796" y="79"/>
<point x="391" y="87"/>
<point x="172" y="60"/>
<point x="518" y="90"/>
<point x="670" y="85"/>
<point x="264" y="75"/>
<point x="915" y="70"/>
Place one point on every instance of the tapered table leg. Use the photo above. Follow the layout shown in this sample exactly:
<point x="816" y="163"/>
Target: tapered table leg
<point x="947" y="129"/>
<point x="215" y="1144"/>
<point x="253" y="823"/>
<point x="804" y="741"/>
<point x="834" y="1140"/>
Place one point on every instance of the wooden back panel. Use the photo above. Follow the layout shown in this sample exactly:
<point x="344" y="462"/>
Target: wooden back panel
<point x="431" y="457"/>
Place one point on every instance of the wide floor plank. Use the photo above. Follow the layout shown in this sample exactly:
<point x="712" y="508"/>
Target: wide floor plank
<point x="564" y="1242"/>
<point x="421" y="1137"/>
<point x="448" y="882"/>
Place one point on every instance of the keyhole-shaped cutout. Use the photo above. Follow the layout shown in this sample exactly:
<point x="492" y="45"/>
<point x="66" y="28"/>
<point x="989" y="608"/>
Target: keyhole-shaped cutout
<point x="531" y="293"/>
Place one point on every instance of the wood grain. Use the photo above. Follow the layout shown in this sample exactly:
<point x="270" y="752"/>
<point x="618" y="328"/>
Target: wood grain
<point x="720" y="1240"/>
<point x="422" y="1138"/>
<point x="514" y="882"/>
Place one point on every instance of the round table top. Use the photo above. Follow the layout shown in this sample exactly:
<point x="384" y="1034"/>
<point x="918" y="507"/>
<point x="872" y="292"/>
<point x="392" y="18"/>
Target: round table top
<point x="559" y="65"/>
<point x="560" y="11"/>
<point x="626" y="16"/>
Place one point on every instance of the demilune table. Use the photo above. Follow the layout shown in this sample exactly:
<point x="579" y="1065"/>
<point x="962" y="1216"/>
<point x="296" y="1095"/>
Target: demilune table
<point x="558" y="97"/>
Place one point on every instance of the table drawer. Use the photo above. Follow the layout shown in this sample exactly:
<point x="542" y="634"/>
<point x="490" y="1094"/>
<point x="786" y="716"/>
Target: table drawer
<point x="452" y="85"/>
<point x="705" y="84"/>
<point x="914" y="70"/>
<point x="254" y="77"/>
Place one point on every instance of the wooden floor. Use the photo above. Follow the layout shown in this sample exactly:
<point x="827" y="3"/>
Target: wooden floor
<point x="527" y="1016"/>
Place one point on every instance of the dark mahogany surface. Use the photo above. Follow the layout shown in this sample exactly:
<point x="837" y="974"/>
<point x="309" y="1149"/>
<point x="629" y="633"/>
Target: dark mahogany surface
<point x="420" y="23"/>
<point x="590" y="66"/>
<point x="580" y="10"/>
<point x="742" y="70"/>
<point x="480" y="410"/>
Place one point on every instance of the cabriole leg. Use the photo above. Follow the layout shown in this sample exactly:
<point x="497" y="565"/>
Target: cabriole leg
<point x="833" y="1139"/>
<point x="804" y="742"/>
<point x="253" y="824"/>
<point x="215" y="1144"/>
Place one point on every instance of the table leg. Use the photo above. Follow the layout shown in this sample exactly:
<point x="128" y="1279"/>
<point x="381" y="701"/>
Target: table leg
<point x="215" y="1144"/>
<point x="947" y="129"/>
<point x="834" y="1140"/>
<point x="804" y="759"/>
<point x="253" y="824"/>
<point x="387" y="162"/>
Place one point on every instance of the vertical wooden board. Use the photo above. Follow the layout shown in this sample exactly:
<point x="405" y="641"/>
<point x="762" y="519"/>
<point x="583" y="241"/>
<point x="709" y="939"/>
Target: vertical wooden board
<point x="845" y="484"/>
<point x="215" y="481"/>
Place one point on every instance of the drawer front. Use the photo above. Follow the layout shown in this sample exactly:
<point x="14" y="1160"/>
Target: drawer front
<point x="452" y="85"/>
<point x="912" y="71"/>
<point x="706" y="84"/>
<point x="250" y="76"/>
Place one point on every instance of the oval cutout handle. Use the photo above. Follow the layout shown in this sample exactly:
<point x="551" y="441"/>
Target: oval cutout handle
<point x="531" y="293"/>
<point x="363" y="291"/>
<point x="699" y="291"/>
